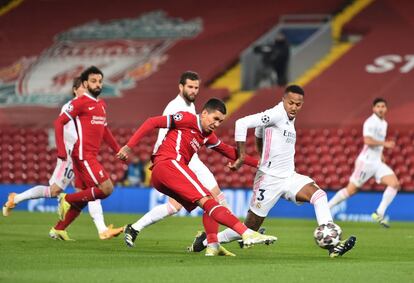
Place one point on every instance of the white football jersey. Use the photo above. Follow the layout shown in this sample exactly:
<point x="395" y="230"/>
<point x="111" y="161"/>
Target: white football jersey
<point x="279" y="138"/>
<point x="375" y="128"/>
<point x="176" y="105"/>
<point x="70" y="136"/>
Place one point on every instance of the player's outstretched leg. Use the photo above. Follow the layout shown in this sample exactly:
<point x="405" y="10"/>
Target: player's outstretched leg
<point x="223" y="216"/>
<point x="343" y="247"/>
<point x="130" y="235"/>
<point x="200" y="240"/>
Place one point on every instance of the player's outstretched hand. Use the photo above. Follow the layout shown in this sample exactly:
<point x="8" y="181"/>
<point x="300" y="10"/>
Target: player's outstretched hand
<point x="236" y="164"/>
<point x="123" y="153"/>
<point x="389" y="144"/>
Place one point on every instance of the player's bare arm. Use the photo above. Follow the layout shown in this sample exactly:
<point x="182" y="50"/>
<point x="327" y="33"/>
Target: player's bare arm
<point x="60" y="144"/>
<point x="259" y="145"/>
<point x="241" y="155"/>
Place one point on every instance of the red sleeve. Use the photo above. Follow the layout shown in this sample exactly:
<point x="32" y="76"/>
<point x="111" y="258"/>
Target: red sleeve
<point x="74" y="108"/>
<point x="231" y="153"/>
<point x="147" y="127"/>
<point x="110" y="140"/>
<point x="60" y="144"/>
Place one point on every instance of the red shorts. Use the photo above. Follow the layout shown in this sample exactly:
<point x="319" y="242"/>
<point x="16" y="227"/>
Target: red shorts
<point x="175" y="179"/>
<point x="88" y="173"/>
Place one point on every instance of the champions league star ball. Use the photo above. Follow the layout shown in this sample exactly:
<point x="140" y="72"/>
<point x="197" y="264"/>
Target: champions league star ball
<point x="327" y="235"/>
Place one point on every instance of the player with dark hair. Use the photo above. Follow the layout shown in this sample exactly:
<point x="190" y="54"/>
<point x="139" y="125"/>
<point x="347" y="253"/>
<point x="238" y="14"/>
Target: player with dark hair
<point x="62" y="176"/>
<point x="370" y="163"/>
<point x="172" y="176"/>
<point x="89" y="114"/>
<point x="276" y="177"/>
<point x="189" y="86"/>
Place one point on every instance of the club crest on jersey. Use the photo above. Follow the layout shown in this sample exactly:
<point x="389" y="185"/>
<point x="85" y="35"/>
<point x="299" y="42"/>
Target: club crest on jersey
<point x="178" y="117"/>
<point x="265" y="119"/>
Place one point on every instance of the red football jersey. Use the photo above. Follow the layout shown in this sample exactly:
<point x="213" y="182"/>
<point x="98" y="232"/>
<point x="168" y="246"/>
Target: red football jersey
<point x="89" y="115"/>
<point x="184" y="138"/>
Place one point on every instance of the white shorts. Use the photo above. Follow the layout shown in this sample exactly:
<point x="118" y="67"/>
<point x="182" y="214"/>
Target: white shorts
<point x="268" y="189"/>
<point x="202" y="172"/>
<point x="63" y="174"/>
<point x="365" y="170"/>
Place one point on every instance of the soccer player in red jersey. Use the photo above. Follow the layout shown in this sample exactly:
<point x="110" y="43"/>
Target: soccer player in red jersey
<point x="172" y="176"/>
<point x="89" y="114"/>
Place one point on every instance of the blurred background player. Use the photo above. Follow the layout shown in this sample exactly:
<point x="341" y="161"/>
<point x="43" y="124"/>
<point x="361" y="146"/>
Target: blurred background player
<point x="135" y="174"/>
<point x="189" y="86"/>
<point x="90" y="177"/>
<point x="275" y="60"/>
<point x="276" y="137"/>
<point x="172" y="176"/>
<point x="62" y="176"/>
<point x="370" y="163"/>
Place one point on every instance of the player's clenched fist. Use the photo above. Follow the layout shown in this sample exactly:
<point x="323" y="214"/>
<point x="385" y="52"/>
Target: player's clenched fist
<point x="123" y="153"/>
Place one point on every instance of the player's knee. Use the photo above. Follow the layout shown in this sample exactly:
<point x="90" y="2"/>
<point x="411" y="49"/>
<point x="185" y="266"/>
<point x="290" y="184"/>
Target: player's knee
<point x="173" y="208"/>
<point x="396" y="185"/>
<point x="107" y="187"/>
<point x="55" y="191"/>
<point x="351" y="189"/>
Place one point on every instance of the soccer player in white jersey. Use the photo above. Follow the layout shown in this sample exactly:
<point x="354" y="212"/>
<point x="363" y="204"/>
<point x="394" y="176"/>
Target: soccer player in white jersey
<point x="276" y="177"/>
<point x="370" y="163"/>
<point x="62" y="176"/>
<point x="189" y="86"/>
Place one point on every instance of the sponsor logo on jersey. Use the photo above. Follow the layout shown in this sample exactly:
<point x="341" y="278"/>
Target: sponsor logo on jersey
<point x="70" y="108"/>
<point x="126" y="50"/>
<point x="98" y="120"/>
<point x="195" y="144"/>
<point x="178" y="117"/>
<point x="91" y="108"/>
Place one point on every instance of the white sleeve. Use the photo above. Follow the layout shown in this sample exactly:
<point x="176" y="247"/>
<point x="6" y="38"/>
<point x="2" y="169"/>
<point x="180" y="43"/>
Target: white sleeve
<point x="162" y="132"/>
<point x="368" y="129"/>
<point x="267" y="118"/>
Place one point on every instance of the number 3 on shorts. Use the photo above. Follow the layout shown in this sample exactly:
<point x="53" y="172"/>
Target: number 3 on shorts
<point x="261" y="195"/>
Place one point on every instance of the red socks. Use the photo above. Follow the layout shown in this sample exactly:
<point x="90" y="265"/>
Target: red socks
<point x="89" y="194"/>
<point x="71" y="215"/>
<point x="211" y="227"/>
<point x="223" y="216"/>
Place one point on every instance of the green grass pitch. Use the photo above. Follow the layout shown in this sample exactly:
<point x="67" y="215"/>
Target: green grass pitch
<point x="28" y="255"/>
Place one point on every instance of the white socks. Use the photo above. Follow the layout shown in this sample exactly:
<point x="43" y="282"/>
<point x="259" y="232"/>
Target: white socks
<point x="339" y="197"/>
<point x="387" y="198"/>
<point x="154" y="215"/>
<point x="33" y="193"/>
<point x="320" y="204"/>
<point x="226" y="236"/>
<point x="95" y="210"/>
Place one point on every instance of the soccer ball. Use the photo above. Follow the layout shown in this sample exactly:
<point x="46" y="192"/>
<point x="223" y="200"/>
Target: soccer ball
<point x="327" y="235"/>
